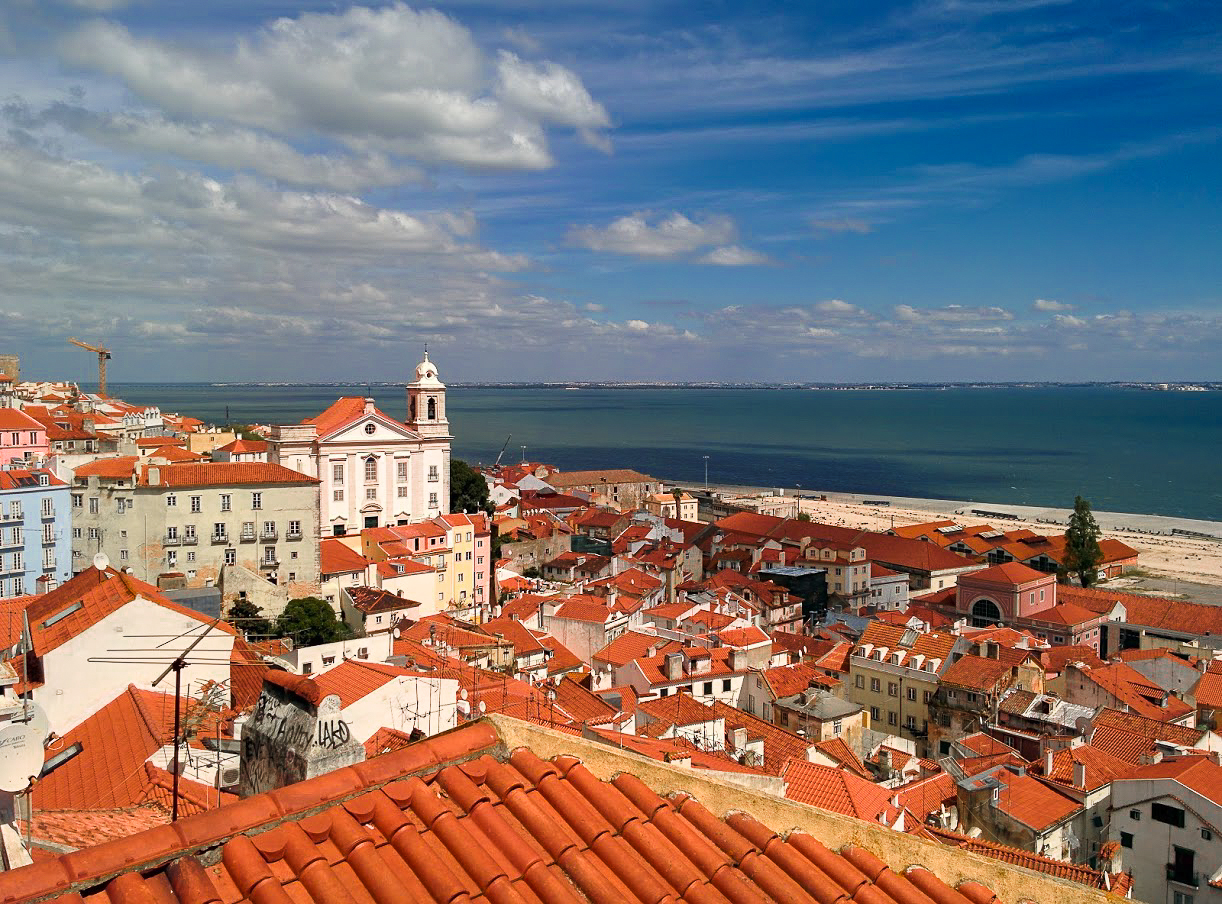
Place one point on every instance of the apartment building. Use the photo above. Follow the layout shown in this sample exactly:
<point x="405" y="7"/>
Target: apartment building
<point x="35" y="523"/>
<point x="195" y="519"/>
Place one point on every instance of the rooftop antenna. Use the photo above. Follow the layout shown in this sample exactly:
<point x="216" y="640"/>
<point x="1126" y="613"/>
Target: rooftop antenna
<point x="523" y="455"/>
<point x="179" y="663"/>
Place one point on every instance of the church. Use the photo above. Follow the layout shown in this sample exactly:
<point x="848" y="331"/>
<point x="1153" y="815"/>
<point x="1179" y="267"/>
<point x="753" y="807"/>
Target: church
<point x="373" y="470"/>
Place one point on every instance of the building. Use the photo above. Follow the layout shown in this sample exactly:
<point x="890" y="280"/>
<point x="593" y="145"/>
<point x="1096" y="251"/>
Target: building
<point x="620" y="488"/>
<point x="194" y="519"/>
<point x="374" y="470"/>
<point x="35" y="531"/>
<point x="22" y="439"/>
<point x="970" y="691"/>
<point x="665" y="505"/>
<point x="1165" y="821"/>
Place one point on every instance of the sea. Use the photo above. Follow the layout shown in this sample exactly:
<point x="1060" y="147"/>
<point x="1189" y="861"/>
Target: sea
<point x="1124" y="449"/>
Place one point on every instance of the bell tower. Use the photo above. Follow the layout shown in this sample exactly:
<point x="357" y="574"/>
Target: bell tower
<point x="426" y="402"/>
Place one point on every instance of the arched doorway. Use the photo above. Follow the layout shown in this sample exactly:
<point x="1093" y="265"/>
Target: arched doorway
<point x="985" y="614"/>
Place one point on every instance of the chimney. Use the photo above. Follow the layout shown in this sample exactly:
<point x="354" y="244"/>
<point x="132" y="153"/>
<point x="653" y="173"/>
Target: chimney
<point x="1079" y="774"/>
<point x="673" y="668"/>
<point x="154" y="476"/>
<point x="1047" y="761"/>
<point x="738" y="660"/>
<point x="368" y="406"/>
<point x="736" y="739"/>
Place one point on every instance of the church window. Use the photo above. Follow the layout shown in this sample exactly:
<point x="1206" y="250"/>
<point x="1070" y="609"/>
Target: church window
<point x="371" y="469"/>
<point x="432" y="409"/>
<point x="337" y="473"/>
<point x="369" y="429"/>
<point x="401" y="470"/>
<point x="411" y="410"/>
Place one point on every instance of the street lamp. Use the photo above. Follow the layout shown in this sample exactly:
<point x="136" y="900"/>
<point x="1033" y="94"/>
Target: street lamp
<point x="798" y="502"/>
<point x="706" y="473"/>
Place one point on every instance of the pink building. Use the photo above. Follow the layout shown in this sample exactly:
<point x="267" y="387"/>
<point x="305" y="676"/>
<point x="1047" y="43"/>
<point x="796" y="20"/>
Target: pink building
<point x="1004" y="593"/>
<point x="21" y="438"/>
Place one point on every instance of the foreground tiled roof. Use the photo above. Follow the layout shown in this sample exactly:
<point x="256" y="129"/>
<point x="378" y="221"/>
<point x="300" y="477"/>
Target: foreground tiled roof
<point x="1061" y="869"/>
<point x="458" y="818"/>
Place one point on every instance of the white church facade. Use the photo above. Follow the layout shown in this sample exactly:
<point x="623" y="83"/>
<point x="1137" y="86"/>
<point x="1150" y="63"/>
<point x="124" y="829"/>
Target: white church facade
<point x="375" y="471"/>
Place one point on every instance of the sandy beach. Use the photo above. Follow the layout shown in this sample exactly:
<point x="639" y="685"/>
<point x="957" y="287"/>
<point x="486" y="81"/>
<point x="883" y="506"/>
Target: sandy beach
<point x="1160" y="552"/>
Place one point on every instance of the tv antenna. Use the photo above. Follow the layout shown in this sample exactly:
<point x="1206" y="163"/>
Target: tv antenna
<point x="176" y="666"/>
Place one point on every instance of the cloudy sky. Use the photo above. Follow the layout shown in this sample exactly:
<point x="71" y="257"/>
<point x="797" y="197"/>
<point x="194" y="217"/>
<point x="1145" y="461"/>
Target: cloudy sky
<point x="295" y="190"/>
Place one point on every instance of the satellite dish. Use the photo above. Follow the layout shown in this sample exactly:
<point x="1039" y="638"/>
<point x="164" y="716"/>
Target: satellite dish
<point x="395" y="633"/>
<point x="21" y="752"/>
<point x="101" y="561"/>
<point x="483" y="707"/>
<point x="463" y="693"/>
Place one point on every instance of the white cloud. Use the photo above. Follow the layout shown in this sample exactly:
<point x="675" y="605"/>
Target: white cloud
<point x="395" y="80"/>
<point x="1069" y="320"/>
<point x="668" y="237"/>
<point x="735" y="256"/>
<point x="637" y="325"/>
<point x="837" y="307"/>
<point x="1047" y="305"/>
<point x="840" y="225"/>
<point x="951" y="313"/>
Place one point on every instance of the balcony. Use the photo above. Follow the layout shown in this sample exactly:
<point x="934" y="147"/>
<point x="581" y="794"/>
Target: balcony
<point x="292" y="535"/>
<point x="171" y="541"/>
<point x="218" y="539"/>
<point x="48" y="541"/>
<point x="269" y="535"/>
<point x="192" y="540"/>
<point x="265" y="562"/>
<point x="48" y="514"/>
<point x="1183" y="876"/>
<point x="247" y="536"/>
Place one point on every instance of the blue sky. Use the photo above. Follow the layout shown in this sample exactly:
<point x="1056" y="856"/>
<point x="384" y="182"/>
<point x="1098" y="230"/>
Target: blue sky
<point x="965" y="189"/>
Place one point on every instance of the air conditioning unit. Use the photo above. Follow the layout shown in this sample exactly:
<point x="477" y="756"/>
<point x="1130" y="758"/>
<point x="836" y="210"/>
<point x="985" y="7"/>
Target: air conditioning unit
<point x="228" y="776"/>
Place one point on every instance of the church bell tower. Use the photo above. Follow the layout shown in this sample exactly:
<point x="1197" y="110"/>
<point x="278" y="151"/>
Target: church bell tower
<point x="426" y="402"/>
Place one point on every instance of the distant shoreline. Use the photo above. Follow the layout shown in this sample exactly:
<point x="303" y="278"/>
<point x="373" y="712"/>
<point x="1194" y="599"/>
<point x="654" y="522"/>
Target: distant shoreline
<point x="911" y="386"/>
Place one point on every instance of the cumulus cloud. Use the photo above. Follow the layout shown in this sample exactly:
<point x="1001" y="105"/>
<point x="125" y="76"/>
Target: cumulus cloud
<point x="394" y="80"/>
<point x="1069" y="320"/>
<point x="951" y="313"/>
<point x="1047" y="305"/>
<point x="645" y="235"/>
<point x="837" y="308"/>
<point x="735" y="256"/>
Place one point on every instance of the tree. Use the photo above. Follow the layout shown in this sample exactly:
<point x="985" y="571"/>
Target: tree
<point x="248" y="618"/>
<point x="468" y="489"/>
<point x="803" y="516"/>
<point x="309" y="621"/>
<point x="1082" y="552"/>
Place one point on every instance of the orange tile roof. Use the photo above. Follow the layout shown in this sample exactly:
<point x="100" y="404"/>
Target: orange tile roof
<point x="386" y="740"/>
<point x="976" y="673"/>
<point x="246" y="671"/>
<point x="1200" y="773"/>
<point x="1208" y="692"/>
<point x="843" y="754"/>
<point x="1061" y="869"/>
<point x="931" y="644"/>
<point x="1148" y="611"/>
<point x="342" y="411"/>
<point x="355" y="679"/>
<point x="420" y="824"/>
<point x="524" y="642"/>
<point x="110" y="770"/>
<point x="1101" y="767"/>
<point x="743" y="637"/>
<point x="1011" y="573"/>
<point x="58" y="830"/>
<point x="633" y="645"/>
<point x="174" y="454"/>
<point x="1132" y="689"/>
<point x="787" y="680"/>
<point x="584" y="609"/>
<point x="929" y="795"/>
<point x="1031" y="802"/>
<point x="370" y="600"/>
<point x="1131" y="737"/>
<point x="582" y="704"/>
<point x="779" y="745"/>
<point x="837" y="790"/>
<point x="225" y="473"/>
<point x="121" y="468"/>
<point x="242" y="446"/>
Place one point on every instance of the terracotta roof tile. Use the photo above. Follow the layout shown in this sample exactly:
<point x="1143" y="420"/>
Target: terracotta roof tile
<point x="121" y="468"/>
<point x="1061" y="869"/>
<point x="223" y="474"/>
<point x="837" y="790"/>
<point x="355" y="679"/>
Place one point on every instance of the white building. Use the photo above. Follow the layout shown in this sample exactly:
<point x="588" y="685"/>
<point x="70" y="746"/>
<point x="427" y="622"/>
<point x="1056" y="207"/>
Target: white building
<point x="375" y="471"/>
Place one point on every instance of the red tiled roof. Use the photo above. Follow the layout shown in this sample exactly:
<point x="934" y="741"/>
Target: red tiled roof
<point x="585" y="609"/>
<point x="16" y="419"/>
<point x="1208" y="692"/>
<point x="1148" y="611"/>
<point x="355" y="679"/>
<point x="743" y="637"/>
<point x="1200" y="773"/>
<point x="343" y="411"/>
<point x="223" y="474"/>
<point x="1137" y="692"/>
<point x="370" y="600"/>
<point x="121" y="468"/>
<point x="787" y="680"/>
<point x="524" y="643"/>
<point x="386" y="740"/>
<point x="1011" y="573"/>
<point x="975" y="673"/>
<point x="779" y="745"/>
<point x="581" y="703"/>
<point x="1031" y="802"/>
<point x="1132" y="737"/>
<point x="454" y="817"/>
<point x="842" y="753"/>
<point x="1061" y="869"/>
<point x="1054" y="659"/>
<point x="929" y="795"/>
<point x="174" y="454"/>
<point x="75" y="829"/>
<point x="562" y="659"/>
<point x="246" y="671"/>
<point x="633" y="645"/>
<point x="837" y="790"/>
<point x="242" y="446"/>
<point x="1101" y="766"/>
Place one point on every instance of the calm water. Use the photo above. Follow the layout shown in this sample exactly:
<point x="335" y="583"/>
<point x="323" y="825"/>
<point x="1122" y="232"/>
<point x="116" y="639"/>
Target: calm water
<point x="1126" y="450"/>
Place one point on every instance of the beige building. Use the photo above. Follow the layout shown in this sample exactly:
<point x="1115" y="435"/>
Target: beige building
<point x="664" y="505"/>
<point x="621" y="488"/>
<point x="193" y="519"/>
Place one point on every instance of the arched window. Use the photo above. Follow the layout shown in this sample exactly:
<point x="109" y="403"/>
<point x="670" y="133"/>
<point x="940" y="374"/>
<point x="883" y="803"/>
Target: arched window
<point x="411" y="409"/>
<point x="985" y="614"/>
<point x="432" y="409"/>
<point x="371" y="469"/>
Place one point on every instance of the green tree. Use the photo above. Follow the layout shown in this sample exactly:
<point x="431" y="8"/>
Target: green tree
<point x="532" y="572"/>
<point x="803" y="516"/>
<point x="468" y="489"/>
<point x="248" y="618"/>
<point x="1082" y="552"/>
<point x="309" y="621"/>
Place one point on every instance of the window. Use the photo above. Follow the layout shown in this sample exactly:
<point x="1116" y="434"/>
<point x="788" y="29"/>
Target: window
<point x="875" y="685"/>
<point x="1180" y="897"/>
<point x="171" y="501"/>
<point x="433" y="475"/>
<point x="294" y="528"/>
<point x="18" y="586"/>
<point x="1172" y="816"/>
<point x="401" y="470"/>
<point x="48" y="510"/>
<point x="219" y="530"/>
<point x="76" y="533"/>
<point x="122" y="555"/>
<point x="371" y="493"/>
<point x="860" y="681"/>
<point x="224" y="502"/>
<point x="1135" y="815"/>
<point x="191" y="555"/>
<point x="269" y="528"/>
<point x="196" y="503"/>
<point x="874" y="714"/>
<point x="256" y="500"/>
<point x="18" y="561"/>
<point x="837" y="725"/>
<point x="1206" y="835"/>
<point x="371" y="469"/>
<point x="891" y="718"/>
<point x="893" y="689"/>
<point x="189" y="533"/>
<point x="432" y="500"/>
<point x="231" y="557"/>
<point x="171" y="533"/>
<point x="93" y="533"/>
<point x="910" y="723"/>
<point x="171" y="557"/>
<point x="725" y="684"/>
<point x="307" y="668"/>
<point x="911" y="694"/>
<point x="78" y="500"/>
<point x="337" y="495"/>
<point x="337" y="473"/>
<point x="708" y="687"/>
<point x="93" y="505"/>
<point x="928" y="696"/>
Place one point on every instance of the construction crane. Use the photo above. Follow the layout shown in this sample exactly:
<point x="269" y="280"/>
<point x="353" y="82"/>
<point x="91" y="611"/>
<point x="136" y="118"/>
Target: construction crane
<point x="497" y="463"/>
<point x="103" y="356"/>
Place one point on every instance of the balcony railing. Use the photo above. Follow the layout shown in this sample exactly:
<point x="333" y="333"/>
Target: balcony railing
<point x="247" y="536"/>
<point x="269" y="563"/>
<point x="220" y="538"/>
<point x="292" y="535"/>
<point x="1183" y="876"/>
<point x="171" y="541"/>
<point x="269" y="534"/>
<point x="192" y="540"/>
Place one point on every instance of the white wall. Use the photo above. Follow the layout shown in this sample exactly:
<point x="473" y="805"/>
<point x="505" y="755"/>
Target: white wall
<point x="406" y="702"/>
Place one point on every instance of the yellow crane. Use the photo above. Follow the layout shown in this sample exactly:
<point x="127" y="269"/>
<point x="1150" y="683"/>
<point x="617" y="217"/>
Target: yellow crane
<point x="103" y="356"/>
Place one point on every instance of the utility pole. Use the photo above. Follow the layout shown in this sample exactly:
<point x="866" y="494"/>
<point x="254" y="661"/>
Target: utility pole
<point x="706" y="473"/>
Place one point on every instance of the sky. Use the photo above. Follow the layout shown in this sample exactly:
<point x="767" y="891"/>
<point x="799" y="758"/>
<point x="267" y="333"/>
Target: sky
<point x="818" y="191"/>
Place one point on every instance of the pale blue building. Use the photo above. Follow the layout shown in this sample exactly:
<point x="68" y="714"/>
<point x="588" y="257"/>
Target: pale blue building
<point x="35" y="531"/>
